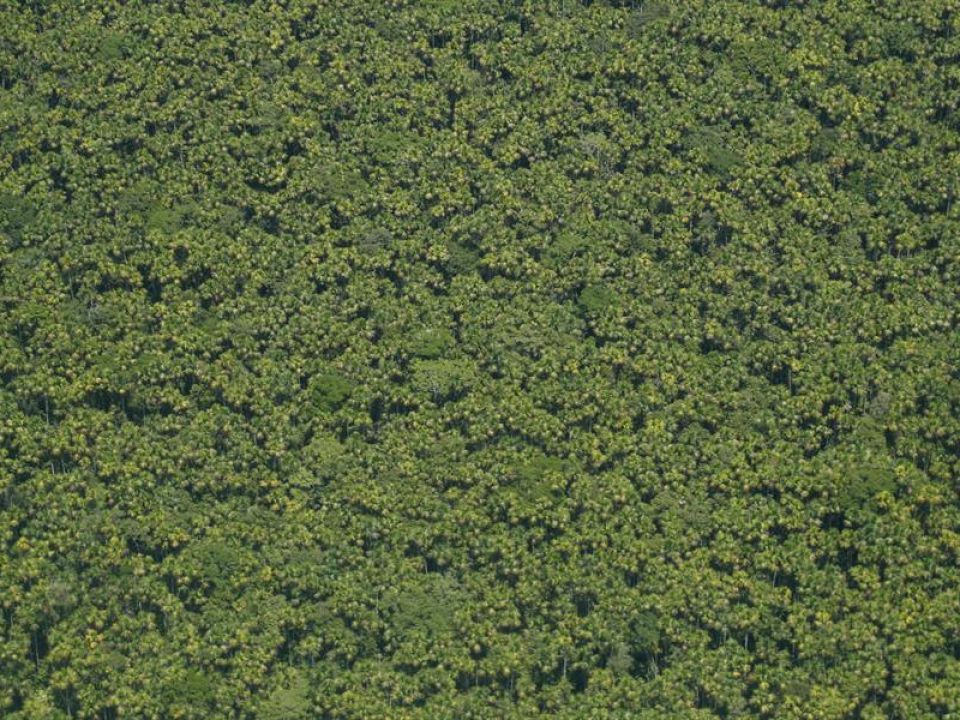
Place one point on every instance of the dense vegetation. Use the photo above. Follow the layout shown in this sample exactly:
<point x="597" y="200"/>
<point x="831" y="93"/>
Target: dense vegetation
<point x="473" y="359"/>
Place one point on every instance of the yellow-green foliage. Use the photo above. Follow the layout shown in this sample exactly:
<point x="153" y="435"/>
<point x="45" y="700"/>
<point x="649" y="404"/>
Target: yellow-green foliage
<point x="479" y="359"/>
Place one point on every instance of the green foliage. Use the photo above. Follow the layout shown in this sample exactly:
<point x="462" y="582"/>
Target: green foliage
<point x="17" y="214"/>
<point x="645" y="634"/>
<point x="430" y="342"/>
<point x="428" y="608"/>
<point x="581" y="359"/>
<point x="328" y="391"/>
<point x="647" y="13"/>
<point x="462" y="259"/>
<point x="565" y="247"/>
<point x="540" y="468"/>
<point x="902" y="39"/>
<point x="191" y="691"/>
<point x="825" y="143"/>
<point x="620" y="661"/>
<point x="288" y="702"/>
<point x="758" y="56"/>
<point x="443" y="378"/>
<point x="861" y="484"/>
<point x="112" y="46"/>
<point x="598" y="298"/>
<point x="326" y="456"/>
<point x="540" y="478"/>
<point x="710" y="145"/>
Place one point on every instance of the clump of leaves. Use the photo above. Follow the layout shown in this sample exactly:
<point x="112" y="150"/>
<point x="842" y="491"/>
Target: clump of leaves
<point x="137" y="197"/>
<point x="901" y="39"/>
<point x="340" y="183"/>
<point x="428" y="607"/>
<point x="325" y="455"/>
<point x="541" y="466"/>
<point x="288" y="702"/>
<point x="196" y="688"/>
<point x="443" y="378"/>
<point x="824" y="143"/>
<point x="16" y="214"/>
<point x="462" y="258"/>
<point x="216" y="561"/>
<point x="230" y="218"/>
<point x="167" y="220"/>
<point x="864" y="183"/>
<point x="536" y="477"/>
<point x="388" y="146"/>
<point x="141" y="202"/>
<point x="374" y="240"/>
<point x="430" y="343"/>
<point x="566" y="246"/>
<point x="597" y="298"/>
<point x="60" y="595"/>
<point x="757" y="56"/>
<point x="599" y="149"/>
<point x="645" y="634"/>
<point x="112" y="46"/>
<point x="711" y="145"/>
<point x="862" y="483"/>
<point x="620" y="661"/>
<point x="329" y="391"/>
<point x="647" y="13"/>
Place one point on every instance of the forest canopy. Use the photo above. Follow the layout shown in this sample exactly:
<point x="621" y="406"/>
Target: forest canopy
<point x="479" y="359"/>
